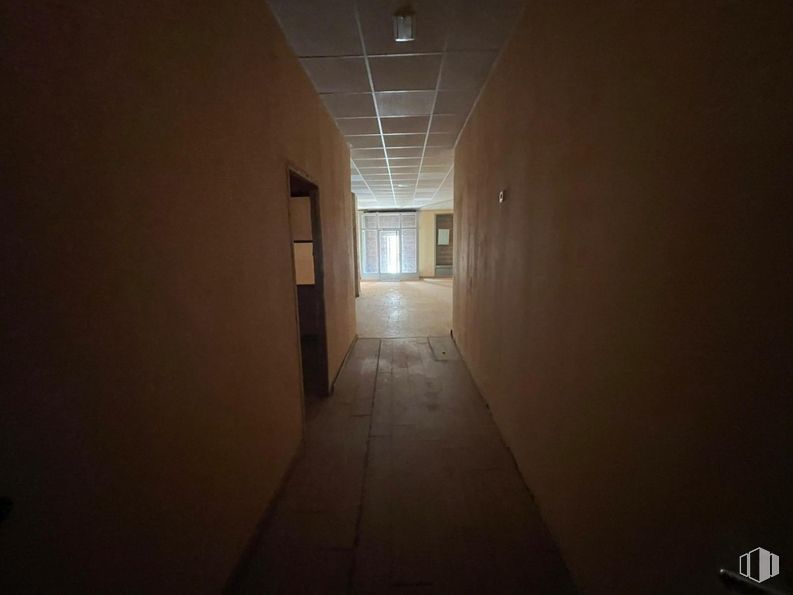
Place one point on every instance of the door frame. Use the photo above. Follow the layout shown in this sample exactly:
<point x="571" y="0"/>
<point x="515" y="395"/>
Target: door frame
<point x="310" y="189"/>
<point x="380" y="276"/>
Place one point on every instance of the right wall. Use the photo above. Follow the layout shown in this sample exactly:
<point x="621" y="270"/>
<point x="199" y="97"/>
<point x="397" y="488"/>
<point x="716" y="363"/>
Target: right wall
<point x="627" y="310"/>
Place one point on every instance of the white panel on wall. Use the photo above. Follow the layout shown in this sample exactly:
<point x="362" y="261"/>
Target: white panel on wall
<point x="408" y="219"/>
<point x="392" y="251"/>
<point x="409" y="251"/>
<point x="389" y="220"/>
<point x="370" y="252"/>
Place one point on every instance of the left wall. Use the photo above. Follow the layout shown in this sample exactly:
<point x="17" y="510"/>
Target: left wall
<point x="151" y="393"/>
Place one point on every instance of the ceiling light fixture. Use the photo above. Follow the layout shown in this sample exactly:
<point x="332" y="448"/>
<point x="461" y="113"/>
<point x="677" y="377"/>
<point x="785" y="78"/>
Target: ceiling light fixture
<point x="405" y="25"/>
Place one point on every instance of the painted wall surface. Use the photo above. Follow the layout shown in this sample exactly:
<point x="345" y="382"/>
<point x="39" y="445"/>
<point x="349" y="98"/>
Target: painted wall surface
<point x="627" y="311"/>
<point x="150" y="389"/>
<point x="427" y="241"/>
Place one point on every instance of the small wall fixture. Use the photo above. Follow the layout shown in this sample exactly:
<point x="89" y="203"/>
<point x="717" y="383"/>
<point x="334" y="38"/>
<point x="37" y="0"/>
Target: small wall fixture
<point x="502" y="196"/>
<point x="405" y="25"/>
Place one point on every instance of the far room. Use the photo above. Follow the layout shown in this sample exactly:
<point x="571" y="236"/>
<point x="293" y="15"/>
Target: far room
<point x="406" y="270"/>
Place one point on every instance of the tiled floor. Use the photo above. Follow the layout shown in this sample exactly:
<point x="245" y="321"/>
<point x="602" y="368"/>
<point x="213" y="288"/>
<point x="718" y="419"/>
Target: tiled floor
<point x="404" y="487"/>
<point x="405" y="309"/>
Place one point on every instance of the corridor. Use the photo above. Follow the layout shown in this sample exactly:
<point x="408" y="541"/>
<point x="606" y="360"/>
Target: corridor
<point x="404" y="486"/>
<point x="196" y="400"/>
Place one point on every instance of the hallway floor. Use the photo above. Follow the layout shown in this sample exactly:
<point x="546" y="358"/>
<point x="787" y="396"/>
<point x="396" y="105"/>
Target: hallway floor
<point x="404" y="486"/>
<point x="405" y="308"/>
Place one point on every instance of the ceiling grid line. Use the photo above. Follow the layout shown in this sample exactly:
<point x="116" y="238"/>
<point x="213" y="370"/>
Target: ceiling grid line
<point x="374" y="97"/>
<point x="355" y="165"/>
<point x="489" y="74"/>
<point x="401" y="105"/>
<point x="432" y="112"/>
<point x="451" y="169"/>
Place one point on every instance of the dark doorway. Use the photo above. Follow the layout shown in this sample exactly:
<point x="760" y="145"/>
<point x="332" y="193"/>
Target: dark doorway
<point x="444" y="248"/>
<point x="304" y="219"/>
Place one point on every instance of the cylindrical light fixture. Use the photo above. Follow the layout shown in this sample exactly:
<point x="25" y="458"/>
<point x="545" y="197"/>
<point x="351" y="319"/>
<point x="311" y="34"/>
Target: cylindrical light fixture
<point x="405" y="25"/>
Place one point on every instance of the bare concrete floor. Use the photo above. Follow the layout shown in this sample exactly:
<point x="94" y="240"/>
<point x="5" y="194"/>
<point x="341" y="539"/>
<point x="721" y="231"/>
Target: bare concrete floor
<point x="404" y="487"/>
<point x="405" y="309"/>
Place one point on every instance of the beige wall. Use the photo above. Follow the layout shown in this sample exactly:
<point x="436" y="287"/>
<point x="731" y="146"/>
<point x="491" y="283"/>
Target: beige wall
<point x="427" y="241"/>
<point x="627" y="311"/>
<point x="150" y="398"/>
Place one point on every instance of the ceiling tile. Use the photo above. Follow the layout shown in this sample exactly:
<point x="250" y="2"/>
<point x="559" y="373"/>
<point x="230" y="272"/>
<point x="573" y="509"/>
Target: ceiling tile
<point x="373" y="170"/>
<point x="425" y="175"/>
<point x="361" y="126"/>
<point x="342" y="105"/>
<point x="477" y="25"/>
<point x="435" y="168"/>
<point x="441" y="140"/>
<point x="408" y="169"/>
<point x="440" y="160"/>
<point x="447" y="123"/>
<point x="405" y="124"/>
<point x="318" y="27"/>
<point x="366" y="154"/>
<point x="364" y="164"/>
<point x="405" y="103"/>
<point x="466" y="70"/>
<point x="337" y="75"/>
<point x="365" y="142"/>
<point x="440" y="152"/>
<point x="403" y="161"/>
<point x="404" y="73"/>
<point x="404" y="140"/>
<point x="413" y="152"/>
<point x="455" y="102"/>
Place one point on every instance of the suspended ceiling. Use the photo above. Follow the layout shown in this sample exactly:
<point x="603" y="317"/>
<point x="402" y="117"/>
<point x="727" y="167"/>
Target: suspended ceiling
<point x="400" y="105"/>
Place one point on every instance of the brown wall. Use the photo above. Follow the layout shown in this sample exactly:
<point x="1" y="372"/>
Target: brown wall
<point x="627" y="311"/>
<point x="150" y="389"/>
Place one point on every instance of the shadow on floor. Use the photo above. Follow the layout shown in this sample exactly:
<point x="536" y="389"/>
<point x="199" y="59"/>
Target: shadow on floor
<point x="404" y="486"/>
